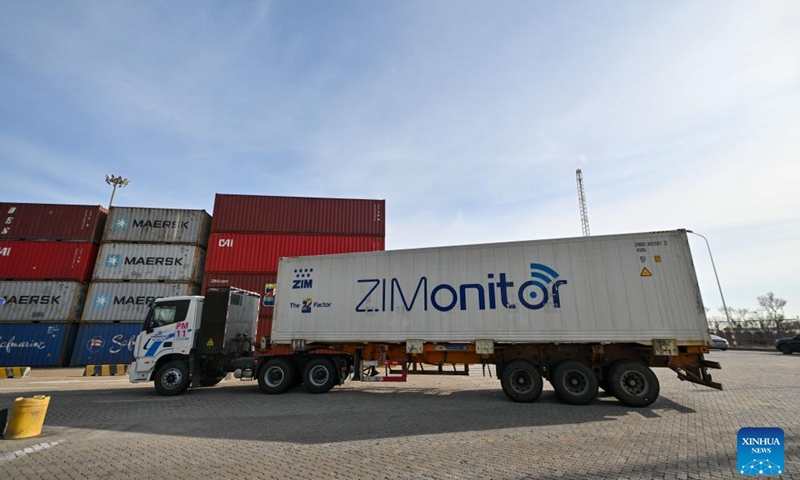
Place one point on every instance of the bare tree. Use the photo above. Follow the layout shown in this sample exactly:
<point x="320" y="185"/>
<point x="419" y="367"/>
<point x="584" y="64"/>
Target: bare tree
<point x="772" y="309"/>
<point x="737" y="316"/>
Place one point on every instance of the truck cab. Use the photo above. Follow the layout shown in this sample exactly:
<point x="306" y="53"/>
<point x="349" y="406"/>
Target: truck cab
<point x="193" y="340"/>
<point x="168" y="331"/>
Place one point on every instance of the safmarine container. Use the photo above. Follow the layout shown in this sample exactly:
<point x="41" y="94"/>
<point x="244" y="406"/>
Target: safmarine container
<point x="40" y="221"/>
<point x="128" y="301"/>
<point x="268" y="214"/>
<point x="24" y="302"/>
<point x="619" y="289"/>
<point x="254" y="253"/>
<point x="35" y="344"/>
<point x="157" y="225"/>
<point x="260" y="283"/>
<point x="46" y="260"/>
<point x="149" y="262"/>
<point x="105" y="343"/>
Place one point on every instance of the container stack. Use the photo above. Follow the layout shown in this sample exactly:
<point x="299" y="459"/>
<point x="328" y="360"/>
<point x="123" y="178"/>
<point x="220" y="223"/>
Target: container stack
<point x="146" y="253"/>
<point x="46" y="257"/>
<point x="249" y="234"/>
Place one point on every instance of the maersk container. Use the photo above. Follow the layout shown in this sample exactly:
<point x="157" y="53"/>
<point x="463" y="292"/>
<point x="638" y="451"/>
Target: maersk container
<point x="268" y="214"/>
<point x="157" y="225"/>
<point x="149" y="262"/>
<point x="46" y="260"/>
<point x="263" y="284"/>
<point x="254" y="253"/>
<point x="128" y="301"/>
<point x="23" y="302"/>
<point x="622" y="288"/>
<point x="35" y="344"/>
<point x="105" y="343"/>
<point x="40" y="221"/>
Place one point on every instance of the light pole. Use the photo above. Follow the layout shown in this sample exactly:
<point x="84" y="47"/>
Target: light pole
<point x="727" y="316"/>
<point x="117" y="181"/>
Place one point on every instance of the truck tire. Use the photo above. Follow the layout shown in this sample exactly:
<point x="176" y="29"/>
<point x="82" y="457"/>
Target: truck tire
<point x="276" y="376"/>
<point x="172" y="378"/>
<point x="574" y="383"/>
<point x="633" y="383"/>
<point x="521" y="381"/>
<point x="320" y="375"/>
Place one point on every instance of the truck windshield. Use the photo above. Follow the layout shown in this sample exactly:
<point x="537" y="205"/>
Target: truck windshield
<point x="167" y="313"/>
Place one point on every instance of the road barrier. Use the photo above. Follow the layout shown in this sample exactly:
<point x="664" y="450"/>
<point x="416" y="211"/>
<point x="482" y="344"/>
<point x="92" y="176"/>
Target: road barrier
<point x="105" y="370"/>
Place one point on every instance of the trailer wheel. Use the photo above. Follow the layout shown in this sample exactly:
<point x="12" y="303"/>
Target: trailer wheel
<point x="320" y="375"/>
<point x="172" y="378"/>
<point x="633" y="383"/>
<point x="276" y="376"/>
<point x="521" y="381"/>
<point x="574" y="382"/>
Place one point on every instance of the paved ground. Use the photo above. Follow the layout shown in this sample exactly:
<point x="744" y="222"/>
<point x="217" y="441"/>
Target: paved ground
<point x="431" y="427"/>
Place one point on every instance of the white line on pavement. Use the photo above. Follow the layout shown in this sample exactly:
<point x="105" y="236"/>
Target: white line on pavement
<point x="29" y="450"/>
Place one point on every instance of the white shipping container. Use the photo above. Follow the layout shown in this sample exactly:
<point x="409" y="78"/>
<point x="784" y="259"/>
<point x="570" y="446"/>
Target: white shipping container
<point x="149" y="262"/>
<point x="128" y="302"/>
<point x="621" y="288"/>
<point x="25" y="302"/>
<point x="157" y="225"/>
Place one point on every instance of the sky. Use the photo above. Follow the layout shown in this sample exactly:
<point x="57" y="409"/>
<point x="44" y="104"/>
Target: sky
<point x="469" y="118"/>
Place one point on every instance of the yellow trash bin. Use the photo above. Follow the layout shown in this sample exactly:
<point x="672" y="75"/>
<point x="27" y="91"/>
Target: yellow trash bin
<point x="27" y="417"/>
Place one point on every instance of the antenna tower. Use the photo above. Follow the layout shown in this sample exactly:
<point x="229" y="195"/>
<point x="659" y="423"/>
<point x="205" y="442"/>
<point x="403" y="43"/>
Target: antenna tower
<point x="582" y="203"/>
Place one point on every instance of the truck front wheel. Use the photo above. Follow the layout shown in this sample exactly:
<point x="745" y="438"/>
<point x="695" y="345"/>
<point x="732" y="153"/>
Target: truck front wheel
<point x="276" y="376"/>
<point x="320" y="375"/>
<point x="172" y="378"/>
<point x="574" y="383"/>
<point x="521" y="381"/>
<point x="633" y="383"/>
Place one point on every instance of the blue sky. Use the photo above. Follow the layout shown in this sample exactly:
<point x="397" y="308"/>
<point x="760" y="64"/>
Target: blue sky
<point x="469" y="118"/>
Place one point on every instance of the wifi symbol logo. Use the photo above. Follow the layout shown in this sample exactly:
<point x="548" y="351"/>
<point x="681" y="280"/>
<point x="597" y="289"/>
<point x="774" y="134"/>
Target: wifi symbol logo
<point x="550" y="273"/>
<point x="535" y="293"/>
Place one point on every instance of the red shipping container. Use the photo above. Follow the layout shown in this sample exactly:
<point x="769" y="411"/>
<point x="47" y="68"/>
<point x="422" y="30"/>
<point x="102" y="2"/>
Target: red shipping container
<point x="265" y="214"/>
<point x="47" y="260"/>
<point x="253" y="253"/>
<point x="38" y="221"/>
<point x="260" y="283"/>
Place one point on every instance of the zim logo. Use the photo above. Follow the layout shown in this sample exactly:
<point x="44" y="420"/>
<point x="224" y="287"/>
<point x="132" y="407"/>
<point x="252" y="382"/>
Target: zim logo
<point x="302" y="278"/>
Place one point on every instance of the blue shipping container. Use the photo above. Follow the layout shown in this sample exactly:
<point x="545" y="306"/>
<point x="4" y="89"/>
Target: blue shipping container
<point x="35" y="344"/>
<point x="105" y="343"/>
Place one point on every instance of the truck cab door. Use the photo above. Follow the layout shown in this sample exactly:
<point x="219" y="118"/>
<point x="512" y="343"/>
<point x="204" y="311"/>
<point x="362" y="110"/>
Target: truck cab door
<point x="167" y="330"/>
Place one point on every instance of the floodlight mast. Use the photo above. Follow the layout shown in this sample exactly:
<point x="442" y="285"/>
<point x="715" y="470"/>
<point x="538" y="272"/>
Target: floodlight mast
<point x="116" y="181"/>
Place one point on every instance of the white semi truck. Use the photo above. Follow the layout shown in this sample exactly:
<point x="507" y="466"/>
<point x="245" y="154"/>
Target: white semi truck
<point x="583" y="313"/>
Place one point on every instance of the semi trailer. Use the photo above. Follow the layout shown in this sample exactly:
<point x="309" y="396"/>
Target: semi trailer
<point x="582" y="313"/>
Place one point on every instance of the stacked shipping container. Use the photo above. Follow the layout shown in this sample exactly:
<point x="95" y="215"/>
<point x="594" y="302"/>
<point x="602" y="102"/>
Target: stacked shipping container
<point x="250" y="233"/>
<point x="46" y="258"/>
<point x="145" y="254"/>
